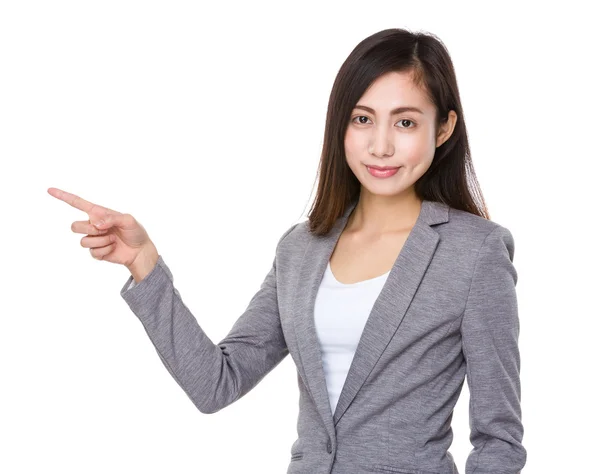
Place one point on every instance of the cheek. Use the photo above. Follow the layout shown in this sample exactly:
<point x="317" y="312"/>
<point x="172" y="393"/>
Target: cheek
<point x="417" y="150"/>
<point x="352" y="144"/>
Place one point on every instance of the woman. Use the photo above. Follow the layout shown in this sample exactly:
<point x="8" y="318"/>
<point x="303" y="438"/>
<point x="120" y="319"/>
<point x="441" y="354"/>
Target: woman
<point x="397" y="287"/>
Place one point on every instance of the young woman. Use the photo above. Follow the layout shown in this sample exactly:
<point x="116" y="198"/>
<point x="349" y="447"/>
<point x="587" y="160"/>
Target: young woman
<point x="396" y="288"/>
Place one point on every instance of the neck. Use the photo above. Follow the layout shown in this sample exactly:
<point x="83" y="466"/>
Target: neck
<point x="378" y="214"/>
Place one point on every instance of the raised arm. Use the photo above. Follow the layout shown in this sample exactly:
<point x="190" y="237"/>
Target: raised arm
<point x="490" y="332"/>
<point x="212" y="375"/>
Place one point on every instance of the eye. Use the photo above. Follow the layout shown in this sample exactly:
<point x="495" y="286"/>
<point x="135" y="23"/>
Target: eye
<point x="360" y="117"/>
<point x="365" y="117"/>
<point x="407" y="120"/>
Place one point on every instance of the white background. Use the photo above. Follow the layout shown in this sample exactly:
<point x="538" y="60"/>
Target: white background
<point x="205" y="121"/>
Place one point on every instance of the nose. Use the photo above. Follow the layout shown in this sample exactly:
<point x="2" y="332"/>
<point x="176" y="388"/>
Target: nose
<point x="381" y="144"/>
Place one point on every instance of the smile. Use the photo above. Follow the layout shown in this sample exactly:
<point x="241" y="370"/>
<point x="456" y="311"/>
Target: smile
<point x="382" y="173"/>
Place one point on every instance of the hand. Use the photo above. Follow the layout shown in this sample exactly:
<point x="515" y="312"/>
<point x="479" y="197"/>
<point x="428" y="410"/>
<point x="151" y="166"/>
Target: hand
<point x="121" y="239"/>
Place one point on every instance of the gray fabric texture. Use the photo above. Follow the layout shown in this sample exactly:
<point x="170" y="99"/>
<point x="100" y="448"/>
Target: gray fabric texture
<point x="448" y="311"/>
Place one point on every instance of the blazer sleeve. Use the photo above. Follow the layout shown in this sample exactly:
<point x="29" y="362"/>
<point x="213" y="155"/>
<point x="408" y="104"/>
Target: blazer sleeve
<point x="490" y="332"/>
<point x="212" y="375"/>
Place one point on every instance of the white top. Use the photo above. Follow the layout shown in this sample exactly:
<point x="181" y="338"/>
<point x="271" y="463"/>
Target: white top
<point x="341" y="312"/>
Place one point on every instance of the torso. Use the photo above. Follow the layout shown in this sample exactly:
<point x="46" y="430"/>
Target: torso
<point x="356" y="258"/>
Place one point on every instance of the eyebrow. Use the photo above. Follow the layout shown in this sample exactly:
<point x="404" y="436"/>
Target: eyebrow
<point x="398" y="110"/>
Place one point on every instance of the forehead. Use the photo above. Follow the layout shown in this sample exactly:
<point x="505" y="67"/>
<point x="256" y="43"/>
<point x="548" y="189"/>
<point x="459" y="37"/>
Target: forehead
<point x="396" y="89"/>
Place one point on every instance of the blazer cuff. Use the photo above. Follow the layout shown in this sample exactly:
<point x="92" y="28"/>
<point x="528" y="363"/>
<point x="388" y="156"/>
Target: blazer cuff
<point x="136" y="294"/>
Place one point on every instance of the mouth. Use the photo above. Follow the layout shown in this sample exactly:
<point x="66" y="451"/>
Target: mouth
<point x="382" y="171"/>
<point x="383" y="168"/>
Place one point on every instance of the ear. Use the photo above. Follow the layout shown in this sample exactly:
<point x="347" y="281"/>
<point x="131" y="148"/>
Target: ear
<point x="446" y="128"/>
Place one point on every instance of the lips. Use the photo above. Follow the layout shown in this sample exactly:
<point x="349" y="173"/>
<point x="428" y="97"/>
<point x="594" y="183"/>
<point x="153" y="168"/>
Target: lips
<point x="383" y="168"/>
<point x="385" y="172"/>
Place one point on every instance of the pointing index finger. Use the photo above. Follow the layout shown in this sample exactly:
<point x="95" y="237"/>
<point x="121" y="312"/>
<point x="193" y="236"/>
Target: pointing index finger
<point x="72" y="199"/>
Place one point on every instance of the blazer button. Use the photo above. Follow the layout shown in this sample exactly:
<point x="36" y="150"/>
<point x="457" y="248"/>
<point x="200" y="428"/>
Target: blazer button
<point x="329" y="446"/>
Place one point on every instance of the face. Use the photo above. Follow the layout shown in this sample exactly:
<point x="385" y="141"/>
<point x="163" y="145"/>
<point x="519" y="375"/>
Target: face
<point x="380" y="136"/>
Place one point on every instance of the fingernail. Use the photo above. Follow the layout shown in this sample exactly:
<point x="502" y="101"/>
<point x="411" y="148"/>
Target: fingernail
<point x="99" y="223"/>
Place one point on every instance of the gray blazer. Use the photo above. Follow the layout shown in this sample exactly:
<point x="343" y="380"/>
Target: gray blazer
<point x="447" y="310"/>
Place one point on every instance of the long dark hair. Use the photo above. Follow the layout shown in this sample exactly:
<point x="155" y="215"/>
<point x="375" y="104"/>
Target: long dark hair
<point x="451" y="177"/>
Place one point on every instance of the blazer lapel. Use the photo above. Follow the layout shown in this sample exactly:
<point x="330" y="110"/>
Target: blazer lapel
<point x="385" y="317"/>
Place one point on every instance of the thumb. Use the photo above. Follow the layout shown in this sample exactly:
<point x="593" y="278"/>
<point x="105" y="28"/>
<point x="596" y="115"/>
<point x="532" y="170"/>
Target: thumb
<point x="108" y="221"/>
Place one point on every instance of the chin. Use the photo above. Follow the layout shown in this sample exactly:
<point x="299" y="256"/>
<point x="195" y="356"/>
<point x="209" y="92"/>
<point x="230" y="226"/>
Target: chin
<point x="383" y="190"/>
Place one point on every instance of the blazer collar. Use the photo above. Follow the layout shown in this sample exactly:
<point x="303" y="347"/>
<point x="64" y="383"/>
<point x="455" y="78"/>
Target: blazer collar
<point x="385" y="317"/>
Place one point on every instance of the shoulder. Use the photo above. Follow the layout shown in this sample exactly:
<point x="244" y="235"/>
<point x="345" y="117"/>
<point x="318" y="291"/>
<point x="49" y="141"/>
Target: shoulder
<point x="469" y="242"/>
<point x="489" y="244"/>
<point x="473" y="231"/>
<point x="467" y="222"/>
<point x="292" y="245"/>
<point x="472" y="249"/>
<point x="293" y="236"/>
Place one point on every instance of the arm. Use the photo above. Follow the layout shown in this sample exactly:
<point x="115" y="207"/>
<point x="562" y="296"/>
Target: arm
<point x="490" y="331"/>
<point x="212" y="375"/>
